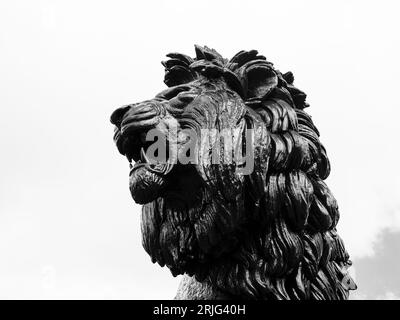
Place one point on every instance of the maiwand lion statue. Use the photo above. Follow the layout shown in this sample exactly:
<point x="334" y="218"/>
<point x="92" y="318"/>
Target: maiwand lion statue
<point x="269" y="233"/>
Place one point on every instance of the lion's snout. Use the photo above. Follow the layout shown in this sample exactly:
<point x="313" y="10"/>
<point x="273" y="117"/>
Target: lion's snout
<point x="132" y="122"/>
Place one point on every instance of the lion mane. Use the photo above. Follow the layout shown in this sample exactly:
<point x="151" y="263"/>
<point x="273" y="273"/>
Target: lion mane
<point x="270" y="234"/>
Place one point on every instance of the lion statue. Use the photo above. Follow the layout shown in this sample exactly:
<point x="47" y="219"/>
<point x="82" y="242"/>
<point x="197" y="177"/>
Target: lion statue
<point x="268" y="233"/>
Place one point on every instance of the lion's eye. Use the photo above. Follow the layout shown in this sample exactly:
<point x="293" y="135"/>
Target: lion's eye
<point x="187" y="96"/>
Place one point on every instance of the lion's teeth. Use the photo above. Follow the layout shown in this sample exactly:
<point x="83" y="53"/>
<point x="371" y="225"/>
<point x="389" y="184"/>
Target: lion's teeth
<point x="168" y="168"/>
<point x="143" y="156"/>
<point x="130" y="161"/>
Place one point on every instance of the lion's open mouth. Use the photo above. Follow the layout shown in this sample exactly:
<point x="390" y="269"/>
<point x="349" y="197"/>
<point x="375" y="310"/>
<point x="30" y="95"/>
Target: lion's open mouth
<point x="162" y="168"/>
<point x="149" y="180"/>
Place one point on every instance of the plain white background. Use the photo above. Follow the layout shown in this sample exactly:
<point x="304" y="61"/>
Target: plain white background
<point x="68" y="226"/>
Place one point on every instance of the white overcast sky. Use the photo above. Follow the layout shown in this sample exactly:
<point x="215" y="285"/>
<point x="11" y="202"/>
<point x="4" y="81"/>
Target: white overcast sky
<point x="68" y="226"/>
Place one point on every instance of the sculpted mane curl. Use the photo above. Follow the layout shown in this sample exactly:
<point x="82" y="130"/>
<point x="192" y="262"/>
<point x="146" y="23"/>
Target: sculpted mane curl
<point x="270" y="234"/>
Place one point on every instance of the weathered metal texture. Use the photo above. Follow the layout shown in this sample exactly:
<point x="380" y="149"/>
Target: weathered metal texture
<point x="270" y="234"/>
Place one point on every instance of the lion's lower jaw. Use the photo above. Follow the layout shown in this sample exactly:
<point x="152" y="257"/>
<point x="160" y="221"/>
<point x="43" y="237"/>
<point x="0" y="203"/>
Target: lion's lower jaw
<point x="145" y="186"/>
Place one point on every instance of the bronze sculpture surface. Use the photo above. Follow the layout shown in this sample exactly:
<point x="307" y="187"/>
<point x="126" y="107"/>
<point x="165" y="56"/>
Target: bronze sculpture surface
<point x="262" y="226"/>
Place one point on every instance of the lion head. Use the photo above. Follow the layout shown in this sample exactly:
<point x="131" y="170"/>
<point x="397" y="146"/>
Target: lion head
<point x="268" y="232"/>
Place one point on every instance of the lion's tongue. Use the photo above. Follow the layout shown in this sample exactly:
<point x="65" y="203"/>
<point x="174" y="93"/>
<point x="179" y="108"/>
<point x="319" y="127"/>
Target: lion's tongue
<point x="145" y="186"/>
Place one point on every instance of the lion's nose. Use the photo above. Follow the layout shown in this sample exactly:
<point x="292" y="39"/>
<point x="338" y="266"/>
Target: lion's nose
<point x="117" y="115"/>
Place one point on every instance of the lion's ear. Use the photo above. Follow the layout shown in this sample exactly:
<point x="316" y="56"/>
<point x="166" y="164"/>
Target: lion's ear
<point x="260" y="79"/>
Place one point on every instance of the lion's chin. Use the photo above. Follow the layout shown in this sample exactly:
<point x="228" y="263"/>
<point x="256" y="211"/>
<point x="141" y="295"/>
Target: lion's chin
<point x="145" y="185"/>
